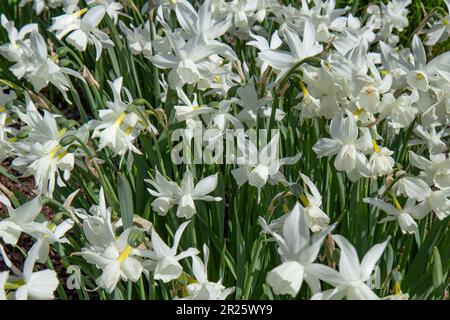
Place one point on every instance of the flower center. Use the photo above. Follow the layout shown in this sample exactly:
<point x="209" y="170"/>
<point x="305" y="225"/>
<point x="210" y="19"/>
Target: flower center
<point x="358" y="112"/>
<point x="420" y="76"/>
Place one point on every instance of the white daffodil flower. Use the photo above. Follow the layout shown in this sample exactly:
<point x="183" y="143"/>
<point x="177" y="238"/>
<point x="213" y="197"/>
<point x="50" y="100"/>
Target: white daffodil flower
<point x="440" y="30"/>
<point x="112" y="7"/>
<point x="350" y="281"/>
<point x="139" y="39"/>
<point x="21" y="220"/>
<point x="404" y="216"/>
<point x="119" y="126"/>
<point x="369" y="95"/>
<point x="380" y="162"/>
<point x="400" y="111"/>
<point x="203" y="22"/>
<point x="117" y="261"/>
<point x="299" y="49"/>
<point x="353" y="34"/>
<point x="41" y="153"/>
<point x="435" y="171"/>
<point x="45" y="70"/>
<point x="114" y="256"/>
<point x="431" y="138"/>
<point x="28" y="50"/>
<point x="202" y="288"/>
<point x="80" y="32"/>
<point x="258" y="168"/>
<point x="345" y="144"/>
<point x="253" y="107"/>
<point x="312" y="201"/>
<point x="429" y="199"/>
<point x="39" y="285"/>
<point x="163" y="259"/>
<point x="222" y="119"/>
<point x="190" y="111"/>
<point x="263" y="45"/>
<point x="298" y="252"/>
<point x="168" y="193"/>
<point x="16" y="49"/>
<point x="49" y="233"/>
<point x="190" y="61"/>
<point x="245" y="14"/>
<point x="392" y="15"/>
<point x="420" y="73"/>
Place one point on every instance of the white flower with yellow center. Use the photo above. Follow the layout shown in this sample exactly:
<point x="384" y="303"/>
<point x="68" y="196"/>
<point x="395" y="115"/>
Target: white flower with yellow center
<point x="380" y="162"/>
<point x="118" y="127"/>
<point x="41" y="153"/>
<point x="164" y="259"/>
<point x="113" y="255"/>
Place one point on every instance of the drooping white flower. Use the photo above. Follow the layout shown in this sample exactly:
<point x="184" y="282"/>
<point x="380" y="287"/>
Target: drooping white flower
<point x="429" y="199"/>
<point x="345" y="144"/>
<point x="299" y="49"/>
<point x="350" y="281"/>
<point x="164" y="259"/>
<point x="312" y="201"/>
<point x="138" y="38"/>
<point x="112" y="7"/>
<point x="168" y="193"/>
<point x="263" y="45"/>
<point x="254" y="107"/>
<point x="39" y="285"/>
<point x="258" y="168"/>
<point x="202" y="288"/>
<point x="49" y="233"/>
<point x="41" y="153"/>
<point x="113" y="255"/>
<point x="380" y="162"/>
<point x="440" y="30"/>
<point x="404" y="216"/>
<point x="190" y="61"/>
<point x="298" y="252"/>
<point x="21" y="219"/>
<point x="201" y="22"/>
<point x="80" y="32"/>
<point x="436" y="170"/>
<point x="119" y="126"/>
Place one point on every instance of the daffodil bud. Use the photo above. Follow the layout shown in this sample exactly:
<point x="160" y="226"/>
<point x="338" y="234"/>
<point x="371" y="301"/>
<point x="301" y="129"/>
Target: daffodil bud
<point x="22" y="134"/>
<point x="312" y="61"/>
<point x="67" y="140"/>
<point x="139" y="102"/>
<point x="135" y="238"/>
<point x="61" y="52"/>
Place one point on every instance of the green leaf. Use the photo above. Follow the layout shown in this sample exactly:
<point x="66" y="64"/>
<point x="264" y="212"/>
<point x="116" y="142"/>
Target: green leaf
<point x="437" y="269"/>
<point x="125" y="201"/>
